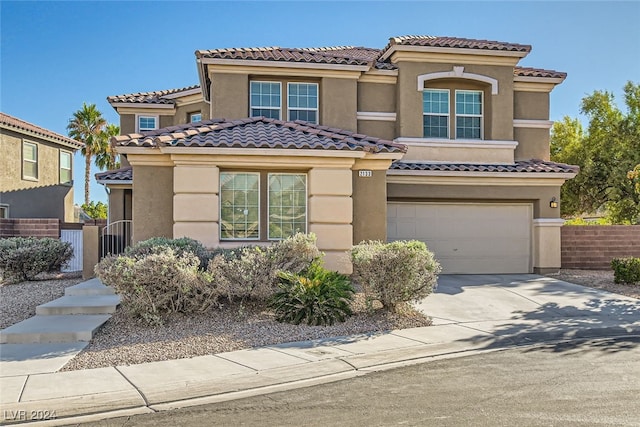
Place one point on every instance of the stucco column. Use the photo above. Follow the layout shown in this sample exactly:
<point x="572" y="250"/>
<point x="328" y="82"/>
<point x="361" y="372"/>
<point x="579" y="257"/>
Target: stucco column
<point x="195" y="203"/>
<point x="546" y="245"/>
<point x="331" y="215"/>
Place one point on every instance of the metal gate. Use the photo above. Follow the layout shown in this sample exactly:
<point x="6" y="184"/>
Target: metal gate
<point x="73" y="236"/>
<point x="115" y="238"/>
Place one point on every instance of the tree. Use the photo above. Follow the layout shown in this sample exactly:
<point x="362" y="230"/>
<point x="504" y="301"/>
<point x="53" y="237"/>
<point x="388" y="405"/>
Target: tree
<point x="86" y="126"/>
<point x="606" y="152"/>
<point x="95" y="210"/>
<point x="106" y="158"/>
<point x="634" y="176"/>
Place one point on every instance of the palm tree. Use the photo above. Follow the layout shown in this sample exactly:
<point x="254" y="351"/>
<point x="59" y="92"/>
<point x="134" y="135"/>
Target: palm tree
<point x="86" y="126"/>
<point x="106" y="158"/>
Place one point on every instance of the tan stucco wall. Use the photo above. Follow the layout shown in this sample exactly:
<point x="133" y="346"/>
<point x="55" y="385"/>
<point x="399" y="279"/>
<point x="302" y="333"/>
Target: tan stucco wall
<point x="379" y="97"/>
<point x="547" y="247"/>
<point x="229" y="95"/>
<point x="538" y="195"/>
<point x="370" y="206"/>
<point x="90" y="250"/>
<point x="379" y="129"/>
<point x="467" y="153"/>
<point x="119" y="204"/>
<point x="127" y="123"/>
<point x="338" y="103"/>
<point x="533" y="143"/>
<point x="531" y="105"/>
<point x="183" y="112"/>
<point x="498" y="108"/>
<point x="153" y="202"/>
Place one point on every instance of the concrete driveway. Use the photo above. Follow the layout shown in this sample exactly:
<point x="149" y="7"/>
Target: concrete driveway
<point x="528" y="307"/>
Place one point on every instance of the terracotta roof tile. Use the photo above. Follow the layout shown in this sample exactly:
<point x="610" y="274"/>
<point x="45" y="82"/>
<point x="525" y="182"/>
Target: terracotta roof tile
<point x="259" y="132"/>
<point x="122" y="174"/>
<point x="537" y="72"/>
<point x="155" y="97"/>
<point x="10" y="122"/>
<point x="457" y="42"/>
<point x="528" y="166"/>
<point x="282" y="54"/>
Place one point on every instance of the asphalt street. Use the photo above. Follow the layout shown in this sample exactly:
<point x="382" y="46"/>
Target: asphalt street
<point x="578" y="383"/>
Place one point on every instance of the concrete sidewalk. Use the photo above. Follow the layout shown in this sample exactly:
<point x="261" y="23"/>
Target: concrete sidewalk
<point x="471" y="314"/>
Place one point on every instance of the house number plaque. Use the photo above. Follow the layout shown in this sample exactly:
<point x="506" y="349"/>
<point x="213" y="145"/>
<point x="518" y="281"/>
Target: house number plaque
<point x="365" y="174"/>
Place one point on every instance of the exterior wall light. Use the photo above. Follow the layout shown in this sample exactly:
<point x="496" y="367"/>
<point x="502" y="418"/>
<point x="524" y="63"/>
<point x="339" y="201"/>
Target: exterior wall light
<point x="553" y="203"/>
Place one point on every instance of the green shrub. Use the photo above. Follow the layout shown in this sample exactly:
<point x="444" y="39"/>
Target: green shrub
<point x="626" y="270"/>
<point x="23" y="258"/>
<point x="317" y="296"/>
<point x="394" y="273"/>
<point x="252" y="272"/>
<point x="164" y="281"/>
<point x="180" y="246"/>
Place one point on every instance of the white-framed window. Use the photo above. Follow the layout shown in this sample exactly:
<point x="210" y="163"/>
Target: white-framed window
<point x="469" y="114"/>
<point x="29" y="160"/>
<point x="265" y="99"/>
<point x="4" y="211"/>
<point x="302" y="102"/>
<point x="66" y="175"/>
<point x="435" y="113"/>
<point x="146" y="122"/>
<point x="195" y="117"/>
<point x="281" y="202"/>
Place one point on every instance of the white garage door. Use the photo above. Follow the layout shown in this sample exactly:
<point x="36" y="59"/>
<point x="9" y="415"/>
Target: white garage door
<point x="487" y="238"/>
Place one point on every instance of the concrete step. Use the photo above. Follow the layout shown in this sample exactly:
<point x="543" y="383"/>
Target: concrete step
<point x="89" y="287"/>
<point x="97" y="304"/>
<point x="46" y="329"/>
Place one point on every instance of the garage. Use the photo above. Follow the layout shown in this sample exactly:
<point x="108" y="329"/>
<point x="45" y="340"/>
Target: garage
<point x="467" y="238"/>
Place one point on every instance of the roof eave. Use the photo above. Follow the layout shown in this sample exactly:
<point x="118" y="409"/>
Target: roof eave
<point x="284" y="64"/>
<point x="75" y="145"/>
<point x="464" y="51"/>
<point x="531" y="79"/>
<point x="140" y="105"/>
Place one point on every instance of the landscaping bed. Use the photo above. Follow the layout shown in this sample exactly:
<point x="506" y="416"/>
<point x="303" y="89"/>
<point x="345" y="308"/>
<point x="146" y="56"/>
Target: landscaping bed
<point x="600" y="279"/>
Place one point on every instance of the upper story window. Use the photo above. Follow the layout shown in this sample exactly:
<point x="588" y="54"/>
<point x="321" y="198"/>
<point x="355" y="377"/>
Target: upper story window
<point x="265" y="99"/>
<point x="302" y="102"/>
<point x="435" y="108"/>
<point x="275" y="210"/>
<point x="65" y="167"/>
<point x="468" y="114"/>
<point x="195" y="117"/>
<point x="145" y="123"/>
<point x="29" y="161"/>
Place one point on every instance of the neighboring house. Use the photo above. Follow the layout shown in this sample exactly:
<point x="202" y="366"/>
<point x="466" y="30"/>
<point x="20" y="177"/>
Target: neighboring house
<point x="36" y="171"/>
<point x="445" y="140"/>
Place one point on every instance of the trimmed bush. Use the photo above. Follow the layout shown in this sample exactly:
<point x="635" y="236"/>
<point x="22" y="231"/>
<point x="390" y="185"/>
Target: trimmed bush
<point x="394" y="273"/>
<point x="317" y="296"/>
<point x="23" y="258"/>
<point x="180" y="246"/>
<point x="626" y="270"/>
<point x="163" y="281"/>
<point x="252" y="272"/>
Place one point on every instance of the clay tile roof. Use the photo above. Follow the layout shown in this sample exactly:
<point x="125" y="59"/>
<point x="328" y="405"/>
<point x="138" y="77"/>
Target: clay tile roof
<point x="528" y="166"/>
<point x="259" y="132"/>
<point x="155" y="97"/>
<point x="341" y="55"/>
<point x="16" y="124"/>
<point x="538" y="72"/>
<point x="457" y="42"/>
<point x="122" y="174"/>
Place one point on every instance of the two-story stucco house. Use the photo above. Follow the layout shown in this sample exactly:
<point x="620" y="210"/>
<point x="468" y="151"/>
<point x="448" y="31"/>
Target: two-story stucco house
<point x="444" y="140"/>
<point x="36" y="171"/>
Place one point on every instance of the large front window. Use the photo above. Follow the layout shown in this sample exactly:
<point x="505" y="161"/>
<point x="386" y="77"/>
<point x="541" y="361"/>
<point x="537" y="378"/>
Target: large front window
<point x="435" y="107"/>
<point x="468" y="114"/>
<point x="248" y="199"/>
<point x="303" y="102"/>
<point x="265" y="99"/>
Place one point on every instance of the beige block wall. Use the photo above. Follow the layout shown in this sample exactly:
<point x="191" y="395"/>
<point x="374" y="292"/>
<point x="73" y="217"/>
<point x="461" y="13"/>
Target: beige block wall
<point x="338" y="103"/>
<point x="547" y="246"/>
<point x="229" y="95"/>
<point x="533" y="143"/>
<point x="153" y="202"/>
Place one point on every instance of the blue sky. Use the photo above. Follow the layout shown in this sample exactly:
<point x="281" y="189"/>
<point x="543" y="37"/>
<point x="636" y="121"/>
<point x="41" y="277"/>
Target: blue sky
<point x="57" y="55"/>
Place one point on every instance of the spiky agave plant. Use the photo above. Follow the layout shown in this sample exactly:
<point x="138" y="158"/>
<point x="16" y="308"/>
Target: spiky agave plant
<point x="316" y="296"/>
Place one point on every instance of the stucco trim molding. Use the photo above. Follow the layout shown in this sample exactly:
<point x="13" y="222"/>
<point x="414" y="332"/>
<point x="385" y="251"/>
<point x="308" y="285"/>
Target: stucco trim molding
<point x="548" y="222"/>
<point x="283" y="64"/>
<point x="376" y="116"/>
<point x="532" y="124"/>
<point x="196" y="91"/>
<point x="456" y="143"/>
<point x="457" y="73"/>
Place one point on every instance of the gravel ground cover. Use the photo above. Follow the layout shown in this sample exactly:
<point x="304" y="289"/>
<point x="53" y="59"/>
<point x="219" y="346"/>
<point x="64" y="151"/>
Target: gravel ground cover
<point x="125" y="341"/>
<point x="18" y="301"/>
<point x="600" y="279"/>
